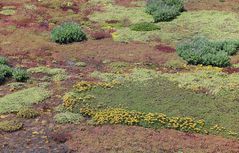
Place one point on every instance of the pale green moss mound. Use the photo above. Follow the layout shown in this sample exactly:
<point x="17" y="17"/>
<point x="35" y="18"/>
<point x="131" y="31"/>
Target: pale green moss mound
<point x="24" y="98"/>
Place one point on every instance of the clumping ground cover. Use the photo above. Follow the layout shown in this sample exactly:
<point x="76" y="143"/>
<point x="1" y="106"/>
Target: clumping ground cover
<point x="119" y="76"/>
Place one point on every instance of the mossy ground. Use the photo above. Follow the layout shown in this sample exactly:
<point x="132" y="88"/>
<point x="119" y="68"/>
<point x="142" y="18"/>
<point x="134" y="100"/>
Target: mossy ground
<point x="177" y="90"/>
<point x="56" y="74"/>
<point x="24" y="98"/>
<point x="149" y="91"/>
<point x="213" y="24"/>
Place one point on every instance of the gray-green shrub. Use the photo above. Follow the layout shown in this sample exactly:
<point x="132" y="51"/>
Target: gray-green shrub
<point x="164" y="10"/>
<point x="201" y="50"/>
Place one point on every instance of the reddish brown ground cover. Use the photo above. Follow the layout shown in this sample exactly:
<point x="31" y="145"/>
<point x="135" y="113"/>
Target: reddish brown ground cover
<point x="227" y="5"/>
<point x="137" y="139"/>
<point x="29" y="45"/>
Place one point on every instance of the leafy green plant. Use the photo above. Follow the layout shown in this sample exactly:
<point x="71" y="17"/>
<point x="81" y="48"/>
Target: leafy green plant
<point x="201" y="50"/>
<point x="2" y="77"/>
<point x="68" y="32"/>
<point x="164" y="10"/>
<point x="6" y="70"/>
<point x="144" y="26"/>
<point x="20" y="75"/>
<point x="3" y="60"/>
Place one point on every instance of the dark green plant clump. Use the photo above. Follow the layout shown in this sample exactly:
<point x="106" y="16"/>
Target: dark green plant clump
<point x="6" y="71"/>
<point x="20" y="75"/>
<point x="201" y="50"/>
<point x="3" y="60"/>
<point x="68" y="32"/>
<point x="10" y="126"/>
<point x="28" y="113"/>
<point x="144" y="26"/>
<point x="164" y="10"/>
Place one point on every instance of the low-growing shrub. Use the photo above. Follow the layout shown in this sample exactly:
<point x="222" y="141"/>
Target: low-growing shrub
<point x="201" y="50"/>
<point x="144" y="26"/>
<point x="3" y="60"/>
<point x="10" y="126"/>
<point x="2" y="77"/>
<point x="68" y="117"/>
<point x="5" y="70"/>
<point x="20" y="75"/>
<point x="28" y="113"/>
<point x="164" y="10"/>
<point x="68" y="32"/>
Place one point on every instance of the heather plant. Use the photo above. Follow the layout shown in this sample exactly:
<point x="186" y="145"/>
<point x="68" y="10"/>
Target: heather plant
<point x="68" y="32"/>
<point x="201" y="50"/>
<point x="164" y="10"/>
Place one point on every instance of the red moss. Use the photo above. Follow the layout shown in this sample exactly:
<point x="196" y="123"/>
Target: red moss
<point x="60" y="137"/>
<point x="164" y="48"/>
<point x="100" y="34"/>
<point x="137" y="139"/>
<point x="74" y="7"/>
<point x="89" y="10"/>
<point x="125" y="3"/>
<point x="231" y="70"/>
<point x="112" y="21"/>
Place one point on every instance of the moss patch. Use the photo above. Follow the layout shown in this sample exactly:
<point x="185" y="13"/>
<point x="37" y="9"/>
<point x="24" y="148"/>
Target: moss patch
<point x="16" y="101"/>
<point x="10" y="126"/>
<point x="213" y="24"/>
<point x="57" y="74"/>
<point x="114" y="12"/>
<point x="68" y="117"/>
<point x="137" y="74"/>
<point x="8" y="10"/>
<point x="161" y="95"/>
<point x="210" y="79"/>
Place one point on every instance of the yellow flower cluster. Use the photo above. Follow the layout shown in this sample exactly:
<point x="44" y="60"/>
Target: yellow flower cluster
<point x="115" y="35"/>
<point x="71" y="98"/>
<point x="122" y="116"/>
<point x="218" y="128"/>
<point x="207" y="68"/>
<point x="107" y="85"/>
<point x="84" y="86"/>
